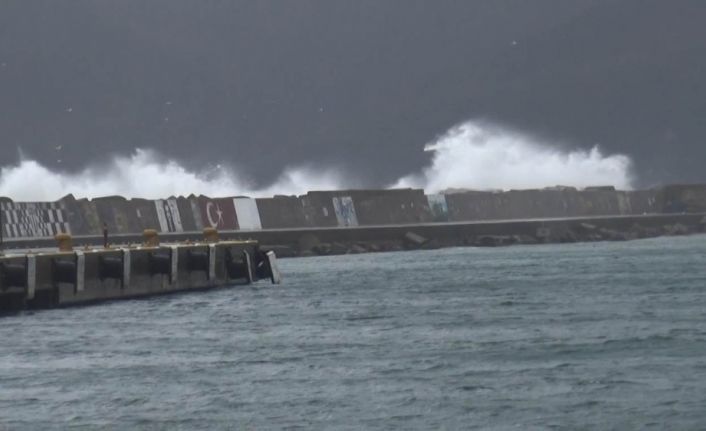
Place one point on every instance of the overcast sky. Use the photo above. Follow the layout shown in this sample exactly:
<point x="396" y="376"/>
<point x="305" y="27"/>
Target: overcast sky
<point x="359" y="84"/>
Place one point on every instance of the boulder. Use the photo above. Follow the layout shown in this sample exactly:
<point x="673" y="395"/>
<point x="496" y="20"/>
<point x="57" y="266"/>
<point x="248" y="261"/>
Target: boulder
<point x="414" y="240"/>
<point x="677" y="229"/>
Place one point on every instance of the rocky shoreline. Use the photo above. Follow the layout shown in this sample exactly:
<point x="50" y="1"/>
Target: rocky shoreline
<point x="582" y="232"/>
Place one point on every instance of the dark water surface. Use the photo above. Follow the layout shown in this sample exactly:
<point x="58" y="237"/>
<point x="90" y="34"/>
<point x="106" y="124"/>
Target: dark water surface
<point x="581" y="336"/>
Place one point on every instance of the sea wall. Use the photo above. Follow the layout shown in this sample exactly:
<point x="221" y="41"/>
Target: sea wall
<point x="551" y="203"/>
<point x="333" y="209"/>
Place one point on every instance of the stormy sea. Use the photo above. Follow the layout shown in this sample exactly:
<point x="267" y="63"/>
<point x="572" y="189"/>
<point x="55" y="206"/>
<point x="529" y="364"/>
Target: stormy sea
<point x="575" y="336"/>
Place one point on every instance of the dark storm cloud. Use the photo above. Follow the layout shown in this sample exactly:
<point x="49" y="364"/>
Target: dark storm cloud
<point x="361" y="84"/>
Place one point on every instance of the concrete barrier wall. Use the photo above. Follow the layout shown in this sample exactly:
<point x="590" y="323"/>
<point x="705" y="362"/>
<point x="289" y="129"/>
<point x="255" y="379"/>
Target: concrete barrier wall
<point x="474" y="206"/>
<point x="145" y="213"/>
<point x="439" y="207"/>
<point x="188" y="220"/>
<point x="344" y="208"/>
<point x="247" y="213"/>
<point x="282" y="212"/>
<point x="684" y="198"/>
<point x="33" y="219"/>
<point x="381" y="207"/>
<point x="319" y="210"/>
<point x="641" y="202"/>
<point x="598" y="202"/>
<point x="117" y="213"/>
<point x="78" y="225"/>
<point x="365" y="207"/>
<point x="565" y="202"/>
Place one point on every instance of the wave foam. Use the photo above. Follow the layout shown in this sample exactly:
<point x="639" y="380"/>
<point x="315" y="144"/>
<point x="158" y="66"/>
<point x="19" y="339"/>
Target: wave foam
<point x="143" y="175"/>
<point x="470" y="156"/>
<point x="477" y="156"/>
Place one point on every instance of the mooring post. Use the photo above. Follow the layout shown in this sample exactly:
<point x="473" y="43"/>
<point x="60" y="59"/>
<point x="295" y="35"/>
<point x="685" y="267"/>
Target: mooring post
<point x="151" y="238"/>
<point x="64" y="242"/>
<point x="210" y="235"/>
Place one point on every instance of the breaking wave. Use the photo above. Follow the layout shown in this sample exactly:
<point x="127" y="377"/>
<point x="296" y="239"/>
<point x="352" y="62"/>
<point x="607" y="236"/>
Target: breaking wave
<point x="469" y="156"/>
<point x="144" y="175"/>
<point x="477" y="156"/>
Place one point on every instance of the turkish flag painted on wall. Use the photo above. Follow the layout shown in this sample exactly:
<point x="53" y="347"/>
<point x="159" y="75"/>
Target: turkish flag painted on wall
<point x="218" y="213"/>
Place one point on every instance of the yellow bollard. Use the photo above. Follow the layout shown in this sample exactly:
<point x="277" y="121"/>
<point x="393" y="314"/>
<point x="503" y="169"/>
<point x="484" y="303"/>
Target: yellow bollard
<point x="210" y="234"/>
<point x="151" y="238"/>
<point x="64" y="242"/>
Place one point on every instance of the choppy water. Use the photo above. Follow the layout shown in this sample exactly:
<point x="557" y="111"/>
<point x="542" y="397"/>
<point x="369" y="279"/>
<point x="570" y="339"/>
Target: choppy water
<point x="581" y="336"/>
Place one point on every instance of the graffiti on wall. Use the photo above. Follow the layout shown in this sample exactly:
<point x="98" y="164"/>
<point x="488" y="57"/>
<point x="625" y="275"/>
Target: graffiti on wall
<point x="168" y="215"/>
<point x="345" y="211"/>
<point x="439" y="207"/>
<point x="33" y="219"/>
<point x="247" y="214"/>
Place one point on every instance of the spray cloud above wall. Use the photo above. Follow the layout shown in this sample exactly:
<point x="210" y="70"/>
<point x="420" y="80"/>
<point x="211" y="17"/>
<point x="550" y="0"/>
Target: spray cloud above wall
<point x="469" y="156"/>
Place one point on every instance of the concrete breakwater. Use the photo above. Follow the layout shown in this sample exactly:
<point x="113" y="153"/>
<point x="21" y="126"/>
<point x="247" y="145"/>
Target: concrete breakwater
<point x="351" y="221"/>
<point x="48" y="279"/>
<point x="332" y="209"/>
<point x="292" y="242"/>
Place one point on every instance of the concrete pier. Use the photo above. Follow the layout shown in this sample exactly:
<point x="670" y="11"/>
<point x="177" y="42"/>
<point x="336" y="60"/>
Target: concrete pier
<point x="48" y="279"/>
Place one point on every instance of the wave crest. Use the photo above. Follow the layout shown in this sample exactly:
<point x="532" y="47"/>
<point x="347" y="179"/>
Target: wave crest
<point x="476" y="156"/>
<point x="143" y="174"/>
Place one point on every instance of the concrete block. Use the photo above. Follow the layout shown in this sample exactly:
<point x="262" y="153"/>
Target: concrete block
<point x="118" y="213"/>
<point x="168" y="215"/>
<point x="216" y="213"/>
<point x="247" y="213"/>
<point x="92" y="223"/>
<point x="274" y="268"/>
<point x="186" y="215"/>
<point x="33" y="219"/>
<point x="145" y="214"/>
<point x="688" y="198"/>
<point x="415" y="239"/>
<point x="282" y="212"/>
